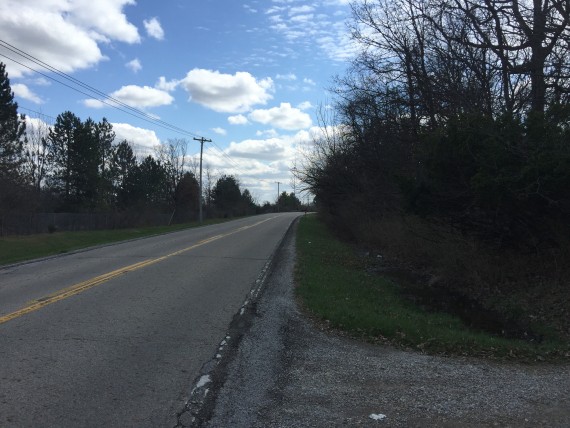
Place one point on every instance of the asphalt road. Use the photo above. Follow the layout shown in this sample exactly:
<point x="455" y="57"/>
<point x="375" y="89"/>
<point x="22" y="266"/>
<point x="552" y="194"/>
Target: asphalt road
<point x="117" y="335"/>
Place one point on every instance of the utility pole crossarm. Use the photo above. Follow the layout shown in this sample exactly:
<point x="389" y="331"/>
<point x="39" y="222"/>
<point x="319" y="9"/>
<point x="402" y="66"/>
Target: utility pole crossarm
<point x="202" y="140"/>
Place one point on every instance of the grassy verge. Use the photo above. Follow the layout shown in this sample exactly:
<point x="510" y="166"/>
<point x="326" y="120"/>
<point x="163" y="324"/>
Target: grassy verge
<point x="334" y="285"/>
<point x="20" y="248"/>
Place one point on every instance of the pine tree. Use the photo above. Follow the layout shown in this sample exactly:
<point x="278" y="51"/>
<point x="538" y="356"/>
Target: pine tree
<point x="63" y="139"/>
<point x="105" y="137"/>
<point x="123" y="172"/>
<point x="12" y="128"/>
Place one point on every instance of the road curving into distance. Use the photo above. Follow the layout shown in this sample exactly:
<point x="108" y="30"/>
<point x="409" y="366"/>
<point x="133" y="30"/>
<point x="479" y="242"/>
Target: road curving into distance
<point x="116" y="335"/>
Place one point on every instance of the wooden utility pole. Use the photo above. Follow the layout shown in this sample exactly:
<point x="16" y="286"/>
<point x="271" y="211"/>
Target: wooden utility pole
<point x="278" y="183"/>
<point x="202" y="140"/>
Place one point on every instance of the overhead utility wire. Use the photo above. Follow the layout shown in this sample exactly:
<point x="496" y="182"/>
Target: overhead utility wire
<point x="38" y="113"/>
<point x="88" y="87"/>
<point x="115" y="103"/>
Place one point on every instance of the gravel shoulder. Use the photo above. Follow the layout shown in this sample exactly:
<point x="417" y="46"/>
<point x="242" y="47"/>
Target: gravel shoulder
<point x="286" y="372"/>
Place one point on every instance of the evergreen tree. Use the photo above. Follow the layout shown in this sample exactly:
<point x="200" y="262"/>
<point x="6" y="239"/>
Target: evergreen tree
<point x="123" y="173"/>
<point x="151" y="184"/>
<point x="227" y="195"/>
<point x="12" y="128"/>
<point x="288" y="202"/>
<point x="248" y="205"/>
<point x="186" y="197"/>
<point x="105" y="137"/>
<point x="86" y="166"/>
<point x="64" y="140"/>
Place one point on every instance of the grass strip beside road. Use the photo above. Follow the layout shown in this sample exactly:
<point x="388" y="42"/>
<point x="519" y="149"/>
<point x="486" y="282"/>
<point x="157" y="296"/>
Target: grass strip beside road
<point x="15" y="249"/>
<point x="334" y="285"/>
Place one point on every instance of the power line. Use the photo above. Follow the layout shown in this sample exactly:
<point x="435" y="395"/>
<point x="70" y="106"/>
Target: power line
<point x="78" y="82"/>
<point x="38" y="113"/>
<point x="93" y="92"/>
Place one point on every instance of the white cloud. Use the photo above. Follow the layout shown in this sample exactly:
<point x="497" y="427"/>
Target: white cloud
<point x="239" y="119"/>
<point x="93" y="103"/>
<point x="309" y="81"/>
<point x="338" y="47"/>
<point x="153" y="28"/>
<point x="220" y="131"/>
<point x="64" y="33"/>
<point x="268" y="133"/>
<point x="275" y="9"/>
<point x="134" y="96"/>
<point x="301" y="9"/>
<point x="143" y="140"/>
<point x="289" y="76"/>
<point x="303" y="18"/>
<point x="165" y="85"/>
<point x="226" y="92"/>
<point x="305" y="105"/>
<point x="40" y="81"/>
<point x="104" y="18"/>
<point x="26" y="93"/>
<point x="135" y="65"/>
<point x="269" y="150"/>
<point x="318" y="23"/>
<point x="142" y="96"/>
<point x="284" y="117"/>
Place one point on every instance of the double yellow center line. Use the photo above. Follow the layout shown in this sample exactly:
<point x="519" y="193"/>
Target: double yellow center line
<point x="98" y="280"/>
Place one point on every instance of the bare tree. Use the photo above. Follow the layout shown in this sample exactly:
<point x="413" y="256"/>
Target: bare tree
<point x="526" y="36"/>
<point x="210" y="178"/>
<point x="36" y="150"/>
<point x="172" y="155"/>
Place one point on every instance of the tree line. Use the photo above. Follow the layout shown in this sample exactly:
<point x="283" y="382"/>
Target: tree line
<point x="456" y="111"/>
<point x="75" y="166"/>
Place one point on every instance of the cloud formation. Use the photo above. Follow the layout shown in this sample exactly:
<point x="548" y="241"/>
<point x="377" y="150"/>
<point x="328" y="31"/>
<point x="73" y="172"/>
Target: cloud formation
<point x="227" y="93"/>
<point x="143" y="140"/>
<point x="64" y="33"/>
<point x="135" y="65"/>
<point x="239" y="119"/>
<point x="142" y="96"/>
<point x="268" y="150"/>
<point x="154" y="29"/>
<point x="303" y="26"/>
<point x="283" y="117"/>
<point x="26" y="93"/>
<point x="166" y="85"/>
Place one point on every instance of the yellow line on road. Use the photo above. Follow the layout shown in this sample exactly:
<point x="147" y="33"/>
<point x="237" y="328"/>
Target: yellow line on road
<point x="90" y="283"/>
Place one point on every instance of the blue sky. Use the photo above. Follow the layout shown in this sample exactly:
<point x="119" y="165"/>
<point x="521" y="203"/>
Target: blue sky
<point x="248" y="75"/>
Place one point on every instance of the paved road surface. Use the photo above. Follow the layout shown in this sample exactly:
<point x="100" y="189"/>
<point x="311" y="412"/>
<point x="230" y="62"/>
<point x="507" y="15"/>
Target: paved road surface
<point x="116" y="336"/>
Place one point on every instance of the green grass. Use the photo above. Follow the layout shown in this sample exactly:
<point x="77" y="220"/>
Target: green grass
<point x="334" y="285"/>
<point x="21" y="248"/>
